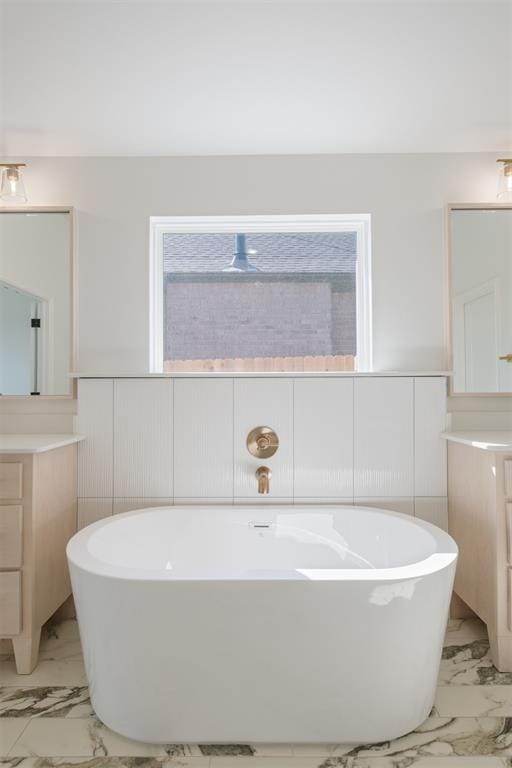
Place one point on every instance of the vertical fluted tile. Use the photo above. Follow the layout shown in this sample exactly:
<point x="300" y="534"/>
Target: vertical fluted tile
<point x="323" y="438"/>
<point x="383" y="437"/>
<point x="143" y="438"/>
<point x="401" y="504"/>
<point x="91" y="510"/>
<point x="429" y="446"/>
<point x="95" y="453"/>
<point x="203" y="438"/>
<point x="263" y="402"/>
<point x="131" y="505"/>
<point x="433" y="510"/>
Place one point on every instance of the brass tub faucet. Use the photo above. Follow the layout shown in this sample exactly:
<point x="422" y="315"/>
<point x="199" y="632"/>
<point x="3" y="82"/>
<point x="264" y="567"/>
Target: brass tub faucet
<point x="263" y="474"/>
<point x="262" y="442"/>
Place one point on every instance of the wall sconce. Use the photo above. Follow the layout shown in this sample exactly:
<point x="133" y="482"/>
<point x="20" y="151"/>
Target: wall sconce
<point x="12" y="189"/>
<point x="505" y="180"/>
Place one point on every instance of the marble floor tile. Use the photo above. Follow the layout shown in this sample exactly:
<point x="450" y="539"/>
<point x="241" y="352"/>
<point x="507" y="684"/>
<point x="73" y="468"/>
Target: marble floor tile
<point x="60" y="640"/>
<point x="355" y="762"/>
<point x="473" y="701"/>
<point x="466" y="656"/>
<point x="5" y="649"/>
<point x="68" y="673"/>
<point x="272" y="750"/>
<point x="105" y="762"/>
<point x="49" y="701"/>
<point x="470" y="665"/>
<point x="183" y="750"/>
<point x="247" y="750"/>
<point x="461" y="631"/>
<point x="69" y="737"/>
<point x="10" y="731"/>
<point x="313" y="750"/>
<point x="60" y="659"/>
<point x="444" y="737"/>
<point x="413" y="762"/>
<point x="248" y="762"/>
<point x="227" y="750"/>
<point x="263" y="762"/>
<point x="243" y="762"/>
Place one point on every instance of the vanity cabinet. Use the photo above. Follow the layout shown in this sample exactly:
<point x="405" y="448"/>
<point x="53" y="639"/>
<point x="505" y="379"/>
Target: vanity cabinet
<point x="480" y="521"/>
<point x="38" y="515"/>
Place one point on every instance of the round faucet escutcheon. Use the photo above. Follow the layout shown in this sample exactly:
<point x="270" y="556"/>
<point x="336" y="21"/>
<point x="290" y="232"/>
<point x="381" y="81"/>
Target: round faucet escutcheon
<point x="262" y="442"/>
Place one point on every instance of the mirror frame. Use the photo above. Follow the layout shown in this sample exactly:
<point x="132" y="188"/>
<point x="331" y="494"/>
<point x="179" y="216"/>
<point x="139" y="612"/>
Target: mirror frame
<point x="448" y="292"/>
<point x="71" y="394"/>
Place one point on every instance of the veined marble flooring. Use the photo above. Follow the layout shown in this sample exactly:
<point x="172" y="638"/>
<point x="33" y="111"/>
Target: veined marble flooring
<point x="46" y="720"/>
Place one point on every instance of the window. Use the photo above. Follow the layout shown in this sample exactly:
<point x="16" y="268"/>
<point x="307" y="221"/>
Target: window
<point x="260" y="293"/>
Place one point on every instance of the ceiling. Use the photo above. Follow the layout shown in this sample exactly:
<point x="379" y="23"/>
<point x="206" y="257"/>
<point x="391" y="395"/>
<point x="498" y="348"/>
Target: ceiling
<point x="191" y="77"/>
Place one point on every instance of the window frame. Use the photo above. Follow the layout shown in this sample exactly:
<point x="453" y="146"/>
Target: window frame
<point x="360" y="223"/>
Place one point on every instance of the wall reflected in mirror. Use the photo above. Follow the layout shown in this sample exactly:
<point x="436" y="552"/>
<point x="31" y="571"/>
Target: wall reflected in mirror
<point x="35" y="303"/>
<point x="481" y="299"/>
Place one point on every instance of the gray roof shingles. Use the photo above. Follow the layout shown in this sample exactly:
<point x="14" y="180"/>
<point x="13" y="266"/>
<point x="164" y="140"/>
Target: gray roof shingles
<point x="299" y="252"/>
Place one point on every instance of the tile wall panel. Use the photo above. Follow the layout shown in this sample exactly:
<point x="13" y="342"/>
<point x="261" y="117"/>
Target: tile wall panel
<point x="329" y="500"/>
<point x="383" y="437"/>
<point x="324" y="438"/>
<point x="331" y="430"/>
<point x="130" y="505"/>
<point x="263" y="402"/>
<point x="403" y="504"/>
<point x="95" y="453"/>
<point x="143" y="438"/>
<point x="203" y="438"/>
<point x="433" y="510"/>
<point x="91" y="510"/>
<point x="263" y="500"/>
<point x="429" y="447"/>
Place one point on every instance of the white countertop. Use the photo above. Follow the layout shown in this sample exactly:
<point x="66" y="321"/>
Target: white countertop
<point x="486" y="439"/>
<point x="36" y="443"/>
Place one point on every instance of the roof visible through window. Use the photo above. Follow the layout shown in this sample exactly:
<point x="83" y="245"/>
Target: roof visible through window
<point x="260" y="301"/>
<point x="297" y="252"/>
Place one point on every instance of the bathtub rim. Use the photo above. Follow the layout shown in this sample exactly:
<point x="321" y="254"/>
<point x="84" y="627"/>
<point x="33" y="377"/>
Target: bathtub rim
<point x="444" y="557"/>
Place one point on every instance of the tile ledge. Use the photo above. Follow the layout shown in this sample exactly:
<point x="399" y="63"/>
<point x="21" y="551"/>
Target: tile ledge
<point x="259" y="374"/>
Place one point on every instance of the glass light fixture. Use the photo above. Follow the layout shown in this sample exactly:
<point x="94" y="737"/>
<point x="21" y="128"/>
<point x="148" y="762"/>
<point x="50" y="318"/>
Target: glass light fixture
<point x="12" y="189"/>
<point x="505" y="180"/>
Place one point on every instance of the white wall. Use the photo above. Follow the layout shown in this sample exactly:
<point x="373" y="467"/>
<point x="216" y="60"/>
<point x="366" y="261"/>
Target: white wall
<point x="404" y="194"/>
<point x="115" y="197"/>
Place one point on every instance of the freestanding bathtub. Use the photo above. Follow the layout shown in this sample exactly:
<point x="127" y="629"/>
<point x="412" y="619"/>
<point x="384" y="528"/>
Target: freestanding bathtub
<point x="262" y="623"/>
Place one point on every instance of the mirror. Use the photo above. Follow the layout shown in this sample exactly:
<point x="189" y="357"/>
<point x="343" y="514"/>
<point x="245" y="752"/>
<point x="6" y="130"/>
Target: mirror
<point x="481" y="298"/>
<point x="35" y="302"/>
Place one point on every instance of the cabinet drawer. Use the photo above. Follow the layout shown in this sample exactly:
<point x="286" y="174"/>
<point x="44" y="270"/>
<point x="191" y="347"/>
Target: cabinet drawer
<point x="507" y="471"/>
<point x="10" y="603"/>
<point x="11" y="536"/>
<point x="11" y="481"/>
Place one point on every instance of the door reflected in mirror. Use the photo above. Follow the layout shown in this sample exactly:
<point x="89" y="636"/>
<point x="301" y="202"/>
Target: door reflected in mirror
<point x="481" y="299"/>
<point x="35" y="302"/>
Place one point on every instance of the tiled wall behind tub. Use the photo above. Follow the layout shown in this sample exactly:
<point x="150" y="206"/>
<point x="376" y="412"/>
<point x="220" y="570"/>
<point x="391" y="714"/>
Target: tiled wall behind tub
<point x="368" y="440"/>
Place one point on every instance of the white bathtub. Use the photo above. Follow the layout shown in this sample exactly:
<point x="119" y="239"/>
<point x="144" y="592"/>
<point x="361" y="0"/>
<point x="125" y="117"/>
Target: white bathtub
<point x="199" y="625"/>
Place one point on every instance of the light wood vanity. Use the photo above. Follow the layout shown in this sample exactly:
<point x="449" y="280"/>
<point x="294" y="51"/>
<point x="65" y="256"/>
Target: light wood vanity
<point x="480" y="521"/>
<point x="38" y="501"/>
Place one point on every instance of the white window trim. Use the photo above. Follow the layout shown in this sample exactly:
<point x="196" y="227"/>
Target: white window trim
<point x="360" y="223"/>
